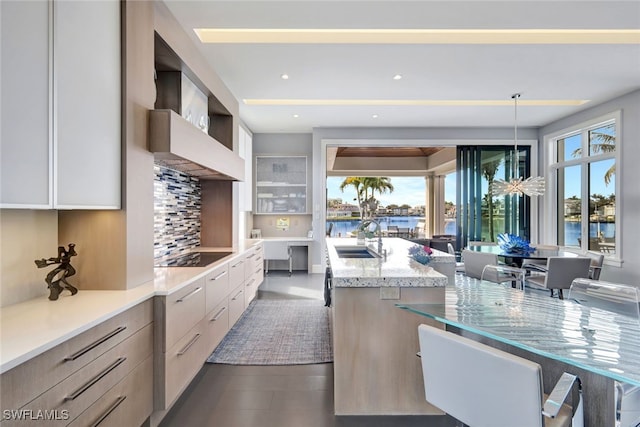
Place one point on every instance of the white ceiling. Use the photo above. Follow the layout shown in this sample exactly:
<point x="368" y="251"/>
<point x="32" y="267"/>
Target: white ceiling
<point x="594" y="72"/>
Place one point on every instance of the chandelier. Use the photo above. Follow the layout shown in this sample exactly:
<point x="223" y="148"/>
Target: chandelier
<point x="532" y="186"/>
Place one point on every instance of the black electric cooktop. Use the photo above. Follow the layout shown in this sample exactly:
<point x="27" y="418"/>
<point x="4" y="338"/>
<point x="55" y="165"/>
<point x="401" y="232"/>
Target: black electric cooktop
<point x="194" y="259"/>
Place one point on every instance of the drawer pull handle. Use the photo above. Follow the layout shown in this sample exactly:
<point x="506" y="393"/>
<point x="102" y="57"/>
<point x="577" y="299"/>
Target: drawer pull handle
<point x="237" y="295"/>
<point x="94" y="344"/>
<point x="190" y="294"/>
<point x="109" y="410"/>
<point x="218" y="314"/>
<point x="237" y="264"/>
<point x="189" y="344"/>
<point x="251" y="282"/>
<point x="251" y="256"/>
<point x="259" y="259"/>
<point x="95" y="379"/>
<point x="218" y="276"/>
<point x="258" y="270"/>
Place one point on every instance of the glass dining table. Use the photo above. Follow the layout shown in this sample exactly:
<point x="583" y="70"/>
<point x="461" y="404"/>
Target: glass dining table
<point x="518" y="258"/>
<point x="601" y="343"/>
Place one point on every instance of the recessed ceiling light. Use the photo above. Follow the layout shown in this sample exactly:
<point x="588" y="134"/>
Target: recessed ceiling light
<point x="296" y="116"/>
<point x="420" y="102"/>
<point x="419" y="36"/>
<point x="397" y="77"/>
<point x="284" y="76"/>
<point x="375" y="116"/>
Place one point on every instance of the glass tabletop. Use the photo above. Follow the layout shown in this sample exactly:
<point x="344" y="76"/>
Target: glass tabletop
<point x="537" y="254"/>
<point x="593" y="339"/>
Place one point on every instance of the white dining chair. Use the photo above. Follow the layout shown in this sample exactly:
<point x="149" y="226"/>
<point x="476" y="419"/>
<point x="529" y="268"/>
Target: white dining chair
<point x="485" y="266"/>
<point x="561" y="271"/>
<point x="482" y="386"/>
<point x="459" y="265"/>
<point x="597" y="261"/>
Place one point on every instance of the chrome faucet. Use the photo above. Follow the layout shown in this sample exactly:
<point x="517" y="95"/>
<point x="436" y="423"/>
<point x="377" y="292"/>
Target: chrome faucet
<point x="365" y="227"/>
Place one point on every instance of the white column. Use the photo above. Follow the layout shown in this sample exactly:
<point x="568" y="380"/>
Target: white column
<point x="434" y="205"/>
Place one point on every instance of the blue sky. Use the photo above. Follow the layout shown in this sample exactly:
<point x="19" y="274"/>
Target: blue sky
<point x="409" y="190"/>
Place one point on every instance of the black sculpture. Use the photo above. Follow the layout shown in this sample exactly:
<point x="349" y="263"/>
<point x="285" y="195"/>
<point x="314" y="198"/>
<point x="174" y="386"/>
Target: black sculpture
<point x="65" y="269"/>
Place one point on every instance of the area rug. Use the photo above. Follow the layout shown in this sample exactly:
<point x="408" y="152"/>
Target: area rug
<point x="278" y="332"/>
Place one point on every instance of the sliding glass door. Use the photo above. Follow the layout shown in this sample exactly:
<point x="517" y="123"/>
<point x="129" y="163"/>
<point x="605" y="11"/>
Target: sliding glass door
<point x="480" y="216"/>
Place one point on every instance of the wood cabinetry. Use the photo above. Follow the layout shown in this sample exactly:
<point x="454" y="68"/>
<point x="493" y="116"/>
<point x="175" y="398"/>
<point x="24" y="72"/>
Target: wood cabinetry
<point x="254" y="272"/>
<point x="193" y="320"/>
<point x="80" y="377"/>
<point x="61" y="105"/>
<point x="281" y="185"/>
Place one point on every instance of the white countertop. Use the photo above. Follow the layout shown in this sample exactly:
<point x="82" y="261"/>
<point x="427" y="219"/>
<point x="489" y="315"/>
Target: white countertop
<point x="397" y="270"/>
<point x="32" y="327"/>
<point x="288" y="239"/>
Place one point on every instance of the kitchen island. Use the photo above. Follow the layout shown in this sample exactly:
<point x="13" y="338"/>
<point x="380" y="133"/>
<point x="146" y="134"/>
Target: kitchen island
<point x="376" y="371"/>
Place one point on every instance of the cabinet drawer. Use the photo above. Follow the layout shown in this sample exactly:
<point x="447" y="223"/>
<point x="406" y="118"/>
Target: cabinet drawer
<point x="236" y="304"/>
<point x="27" y="381"/>
<point x="250" y="290"/>
<point x="183" y="310"/>
<point x="236" y="271"/>
<point x="217" y="325"/>
<point x="181" y="363"/>
<point x="259" y="258"/>
<point x="128" y="403"/>
<point x="76" y="393"/>
<point x="217" y="286"/>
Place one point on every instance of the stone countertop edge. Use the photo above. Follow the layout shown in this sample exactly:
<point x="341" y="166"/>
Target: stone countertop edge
<point x="30" y="328"/>
<point x="397" y="270"/>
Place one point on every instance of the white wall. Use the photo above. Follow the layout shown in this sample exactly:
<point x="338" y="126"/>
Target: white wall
<point x="628" y="173"/>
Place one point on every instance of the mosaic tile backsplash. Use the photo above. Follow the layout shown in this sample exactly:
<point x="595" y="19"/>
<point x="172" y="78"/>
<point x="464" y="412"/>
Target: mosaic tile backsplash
<point x="177" y="200"/>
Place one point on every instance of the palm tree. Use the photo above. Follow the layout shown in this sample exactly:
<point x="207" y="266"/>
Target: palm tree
<point x="357" y="183"/>
<point x="379" y="184"/>
<point x="601" y="142"/>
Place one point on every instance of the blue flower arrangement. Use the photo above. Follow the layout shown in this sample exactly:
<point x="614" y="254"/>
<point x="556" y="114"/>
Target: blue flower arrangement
<point x="420" y="253"/>
<point x="510" y="243"/>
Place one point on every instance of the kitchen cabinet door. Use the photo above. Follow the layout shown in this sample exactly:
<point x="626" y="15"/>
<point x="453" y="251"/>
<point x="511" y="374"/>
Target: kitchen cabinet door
<point x="25" y="144"/>
<point x="87" y="107"/>
<point x="60" y="144"/>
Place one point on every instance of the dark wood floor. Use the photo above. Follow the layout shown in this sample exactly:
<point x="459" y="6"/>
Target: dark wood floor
<point x="275" y="396"/>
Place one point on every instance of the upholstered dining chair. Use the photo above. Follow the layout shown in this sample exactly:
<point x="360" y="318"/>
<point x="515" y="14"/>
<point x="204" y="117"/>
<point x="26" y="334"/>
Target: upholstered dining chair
<point x="452" y="251"/>
<point x="484" y="266"/>
<point x="482" y="386"/>
<point x="561" y="271"/>
<point x="597" y="260"/>
<point x="538" y="265"/>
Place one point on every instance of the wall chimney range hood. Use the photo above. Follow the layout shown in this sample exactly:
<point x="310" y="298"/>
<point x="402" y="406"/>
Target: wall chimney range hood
<point x="179" y="145"/>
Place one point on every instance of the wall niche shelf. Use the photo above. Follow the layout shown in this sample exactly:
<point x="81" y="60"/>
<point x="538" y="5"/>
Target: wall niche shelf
<point x="281" y="185"/>
<point x="170" y="94"/>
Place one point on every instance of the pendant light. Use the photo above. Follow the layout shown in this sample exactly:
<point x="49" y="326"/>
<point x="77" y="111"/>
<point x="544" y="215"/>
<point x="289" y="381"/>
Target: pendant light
<point x="532" y="186"/>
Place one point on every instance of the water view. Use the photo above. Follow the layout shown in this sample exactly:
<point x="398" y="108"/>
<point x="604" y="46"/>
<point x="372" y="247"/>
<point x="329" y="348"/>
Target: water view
<point x="342" y="228"/>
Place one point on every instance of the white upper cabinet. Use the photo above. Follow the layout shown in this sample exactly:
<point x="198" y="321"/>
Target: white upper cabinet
<point x="61" y="105"/>
<point x="246" y="152"/>
<point x="25" y="135"/>
<point x="281" y="185"/>
<point x="87" y="104"/>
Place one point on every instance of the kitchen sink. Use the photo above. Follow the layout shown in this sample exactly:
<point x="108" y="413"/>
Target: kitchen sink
<point x="354" y="252"/>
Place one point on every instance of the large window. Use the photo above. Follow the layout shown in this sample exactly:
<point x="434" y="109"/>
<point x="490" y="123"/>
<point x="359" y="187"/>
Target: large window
<point x="583" y="170"/>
